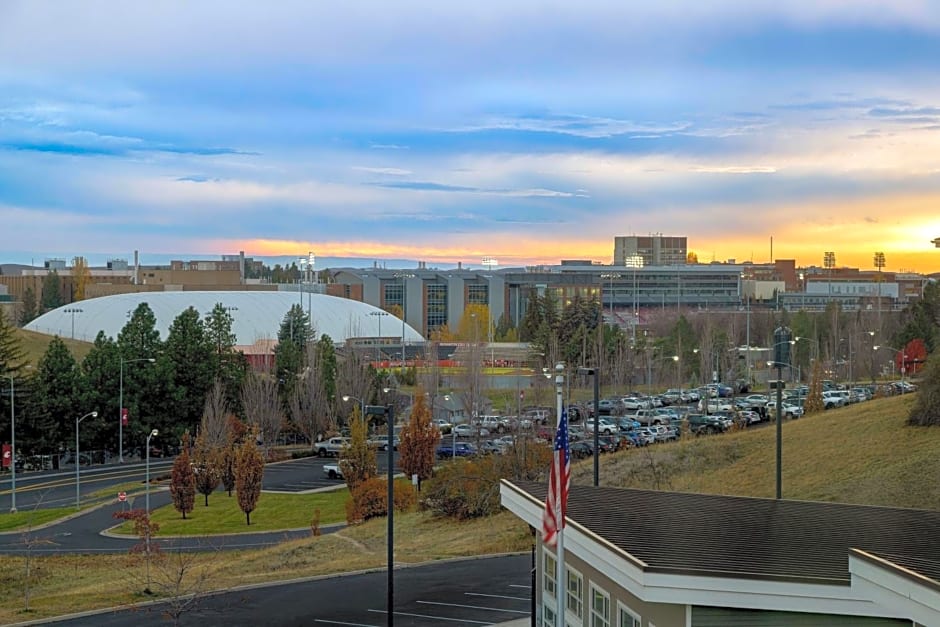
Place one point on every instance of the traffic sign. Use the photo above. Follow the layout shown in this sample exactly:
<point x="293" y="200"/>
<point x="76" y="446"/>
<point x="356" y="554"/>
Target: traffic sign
<point x="122" y="496"/>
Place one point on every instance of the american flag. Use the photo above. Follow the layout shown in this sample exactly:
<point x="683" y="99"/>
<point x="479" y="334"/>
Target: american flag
<point x="556" y="503"/>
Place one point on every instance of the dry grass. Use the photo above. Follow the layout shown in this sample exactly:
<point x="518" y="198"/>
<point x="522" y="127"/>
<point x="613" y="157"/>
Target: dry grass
<point x="862" y="453"/>
<point x="74" y="583"/>
<point x="35" y="344"/>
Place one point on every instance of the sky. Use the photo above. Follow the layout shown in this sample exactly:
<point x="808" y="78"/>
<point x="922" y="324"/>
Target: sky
<point x="528" y="131"/>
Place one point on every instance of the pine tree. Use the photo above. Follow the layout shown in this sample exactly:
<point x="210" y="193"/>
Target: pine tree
<point x="357" y="459"/>
<point x="51" y="291"/>
<point x="12" y="355"/>
<point x="183" y="481"/>
<point x="29" y="308"/>
<point x="187" y="343"/>
<point x="419" y="440"/>
<point x="51" y="412"/>
<point x="926" y="409"/>
<point x="249" y="471"/>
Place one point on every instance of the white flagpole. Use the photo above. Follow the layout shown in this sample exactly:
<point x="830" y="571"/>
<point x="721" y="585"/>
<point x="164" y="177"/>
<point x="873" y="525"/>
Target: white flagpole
<point x="561" y="584"/>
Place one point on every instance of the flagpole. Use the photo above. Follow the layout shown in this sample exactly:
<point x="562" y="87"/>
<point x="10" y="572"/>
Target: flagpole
<point x="561" y="584"/>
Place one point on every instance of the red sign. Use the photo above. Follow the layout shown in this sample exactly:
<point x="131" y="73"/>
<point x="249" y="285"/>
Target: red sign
<point x="124" y="416"/>
<point x="122" y="496"/>
<point x="7" y="455"/>
<point x="521" y="394"/>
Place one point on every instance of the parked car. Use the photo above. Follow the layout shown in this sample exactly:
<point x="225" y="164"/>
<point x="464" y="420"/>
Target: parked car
<point x="442" y="425"/>
<point x="470" y="431"/>
<point x="381" y="442"/>
<point x="580" y="449"/>
<point x="333" y="471"/>
<point x="603" y="426"/>
<point x="489" y="447"/>
<point x="788" y="410"/>
<point x="460" y="449"/>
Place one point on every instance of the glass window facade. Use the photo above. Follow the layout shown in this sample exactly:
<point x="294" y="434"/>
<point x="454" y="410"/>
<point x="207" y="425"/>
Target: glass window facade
<point x="437" y="306"/>
<point x="478" y="294"/>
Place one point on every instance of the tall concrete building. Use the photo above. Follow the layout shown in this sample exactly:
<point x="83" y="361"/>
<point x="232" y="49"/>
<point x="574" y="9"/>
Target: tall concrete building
<point x="655" y="250"/>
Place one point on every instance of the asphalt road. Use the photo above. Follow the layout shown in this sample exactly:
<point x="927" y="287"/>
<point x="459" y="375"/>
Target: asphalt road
<point x="480" y="591"/>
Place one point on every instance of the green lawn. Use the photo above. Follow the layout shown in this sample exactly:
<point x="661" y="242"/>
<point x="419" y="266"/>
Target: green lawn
<point x="35" y="345"/>
<point x="25" y="518"/>
<point x="274" y="512"/>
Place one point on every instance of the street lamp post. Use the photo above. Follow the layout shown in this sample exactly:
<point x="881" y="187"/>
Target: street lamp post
<point x="121" y="415"/>
<point x="12" y="448"/>
<point x="362" y="404"/>
<point x="594" y="372"/>
<point x="781" y="349"/>
<point x="78" y="459"/>
<point x="152" y="434"/>
<point x="900" y="352"/>
<point x="379" y="315"/>
<point x="389" y="412"/>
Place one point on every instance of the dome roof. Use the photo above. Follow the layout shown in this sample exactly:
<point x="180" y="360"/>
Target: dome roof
<point x="256" y="315"/>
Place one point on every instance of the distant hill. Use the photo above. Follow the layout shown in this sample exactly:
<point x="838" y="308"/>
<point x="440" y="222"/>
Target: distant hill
<point x="35" y="345"/>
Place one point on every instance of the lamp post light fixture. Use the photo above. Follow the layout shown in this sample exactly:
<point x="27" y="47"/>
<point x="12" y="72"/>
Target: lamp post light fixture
<point x="389" y="412"/>
<point x="595" y="374"/>
<point x="901" y="352"/>
<point x="73" y="311"/>
<point x="379" y="315"/>
<point x="152" y="434"/>
<point x="362" y="403"/>
<point x="78" y="459"/>
<point x="781" y="349"/>
<point x="122" y="416"/>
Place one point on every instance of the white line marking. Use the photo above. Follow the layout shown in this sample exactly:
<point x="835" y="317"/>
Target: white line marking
<point x="452" y="620"/>
<point x="475" y="607"/>
<point x="516" y="585"/>
<point x="496" y="596"/>
<point x="339" y="622"/>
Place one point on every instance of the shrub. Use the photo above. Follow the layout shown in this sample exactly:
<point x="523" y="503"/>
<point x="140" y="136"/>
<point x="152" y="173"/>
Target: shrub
<point x="464" y="489"/>
<point x="369" y="499"/>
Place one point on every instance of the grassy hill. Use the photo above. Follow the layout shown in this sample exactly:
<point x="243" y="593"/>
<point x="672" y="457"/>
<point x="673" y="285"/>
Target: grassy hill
<point x="863" y="453"/>
<point x="35" y="344"/>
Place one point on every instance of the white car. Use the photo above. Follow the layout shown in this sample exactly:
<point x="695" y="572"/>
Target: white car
<point x="603" y="426"/>
<point x="470" y="431"/>
<point x="788" y="410"/>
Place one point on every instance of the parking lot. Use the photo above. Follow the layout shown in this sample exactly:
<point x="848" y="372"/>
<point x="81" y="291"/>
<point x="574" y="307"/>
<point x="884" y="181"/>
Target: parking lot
<point x="301" y="475"/>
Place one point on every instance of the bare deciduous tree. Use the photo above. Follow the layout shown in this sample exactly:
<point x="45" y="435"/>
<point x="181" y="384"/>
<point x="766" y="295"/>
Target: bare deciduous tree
<point x="215" y="425"/>
<point x="354" y="377"/>
<point x="262" y="406"/>
<point x="309" y="404"/>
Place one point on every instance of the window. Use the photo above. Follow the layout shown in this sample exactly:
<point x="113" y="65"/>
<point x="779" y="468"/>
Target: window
<point x="437" y="306"/>
<point x="627" y="617"/>
<point x="394" y="295"/>
<point x="478" y="294"/>
<point x="548" y="575"/>
<point x="600" y="608"/>
<point x="575" y="595"/>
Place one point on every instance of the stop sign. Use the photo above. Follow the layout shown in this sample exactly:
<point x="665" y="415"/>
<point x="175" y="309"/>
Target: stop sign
<point x="122" y="496"/>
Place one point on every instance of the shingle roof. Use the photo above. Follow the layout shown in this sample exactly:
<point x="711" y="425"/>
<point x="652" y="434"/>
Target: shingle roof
<point x="732" y="536"/>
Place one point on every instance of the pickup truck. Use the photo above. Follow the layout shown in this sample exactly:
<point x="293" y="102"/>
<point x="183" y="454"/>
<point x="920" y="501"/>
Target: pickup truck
<point x="330" y="448"/>
<point x="649" y="417"/>
<point x="333" y="471"/>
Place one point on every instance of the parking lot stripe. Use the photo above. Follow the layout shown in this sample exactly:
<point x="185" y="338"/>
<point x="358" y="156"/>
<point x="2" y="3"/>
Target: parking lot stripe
<point x="475" y="607"/>
<point x="339" y="622"/>
<point x="495" y="596"/>
<point x="444" y="618"/>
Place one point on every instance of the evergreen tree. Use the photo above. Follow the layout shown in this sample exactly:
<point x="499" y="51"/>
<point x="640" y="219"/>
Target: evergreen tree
<point x="292" y="339"/>
<point x="326" y="357"/>
<point x="249" y="471"/>
<point x="183" y="481"/>
<point x="12" y="355"/>
<point x="51" y="413"/>
<point x="101" y="372"/>
<point x="190" y="352"/>
<point x="29" y="308"/>
<point x="146" y="389"/>
<point x="51" y="291"/>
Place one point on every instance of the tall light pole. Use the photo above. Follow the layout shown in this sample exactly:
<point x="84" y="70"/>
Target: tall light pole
<point x="611" y="276"/>
<point x="12" y="447"/>
<point x="73" y="311"/>
<point x="900" y="352"/>
<point x="594" y="372"/>
<point x="783" y="340"/>
<point x="389" y="412"/>
<point x="379" y="315"/>
<point x="122" y="416"/>
<point x="829" y="261"/>
<point x="78" y="459"/>
<point x="879" y="263"/>
<point x="152" y="434"/>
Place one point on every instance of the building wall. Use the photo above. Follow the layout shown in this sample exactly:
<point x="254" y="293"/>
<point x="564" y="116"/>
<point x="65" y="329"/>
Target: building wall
<point x="656" y="250"/>
<point x="659" y="614"/>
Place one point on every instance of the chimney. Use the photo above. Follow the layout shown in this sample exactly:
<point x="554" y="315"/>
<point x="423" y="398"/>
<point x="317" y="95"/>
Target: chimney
<point x="136" y="268"/>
